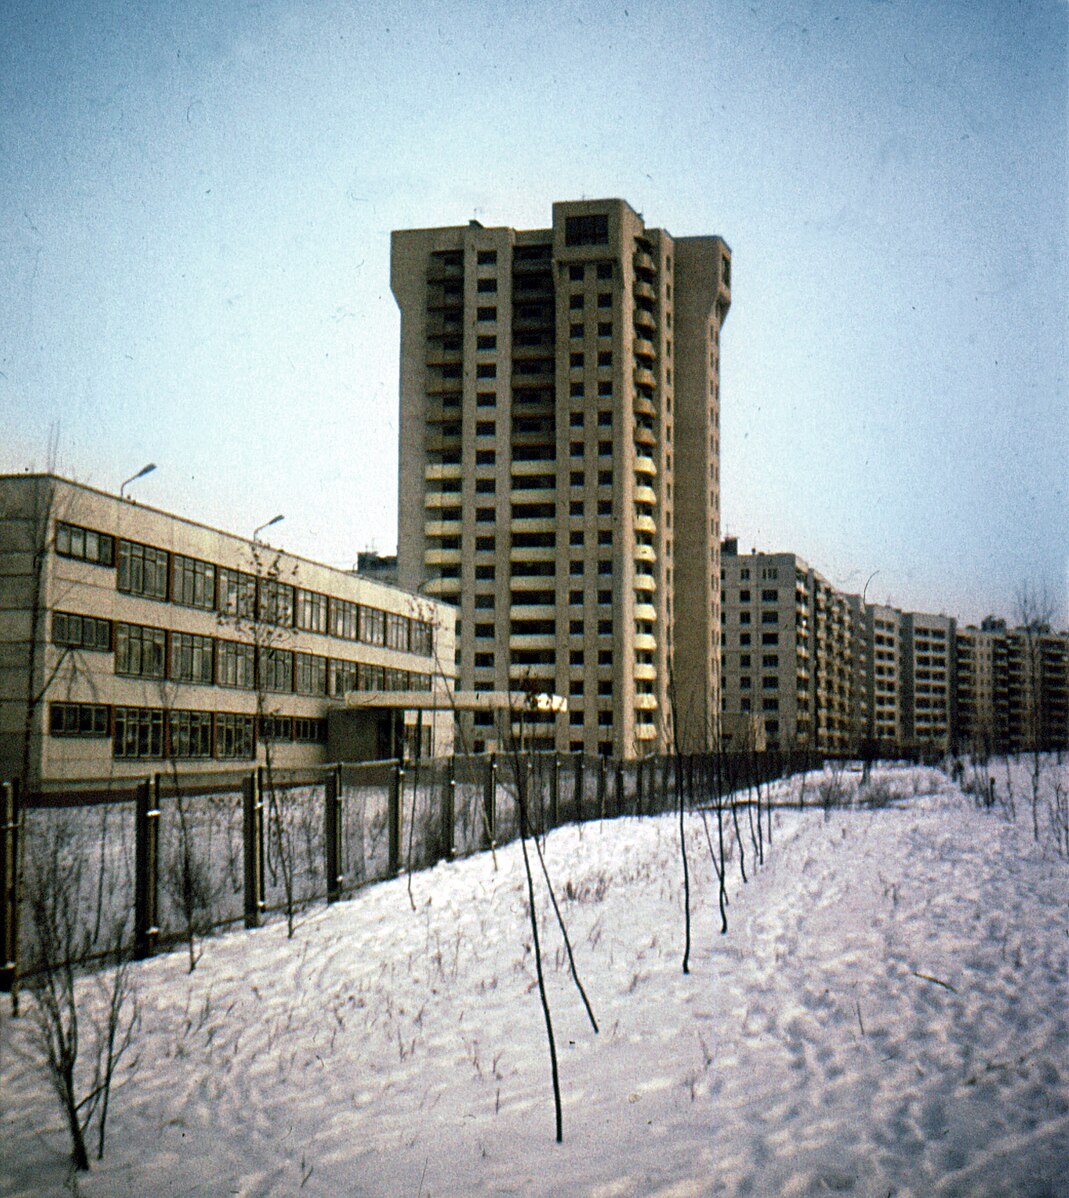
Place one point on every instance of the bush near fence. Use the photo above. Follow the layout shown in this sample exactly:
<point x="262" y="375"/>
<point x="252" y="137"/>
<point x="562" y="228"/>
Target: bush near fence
<point x="342" y="826"/>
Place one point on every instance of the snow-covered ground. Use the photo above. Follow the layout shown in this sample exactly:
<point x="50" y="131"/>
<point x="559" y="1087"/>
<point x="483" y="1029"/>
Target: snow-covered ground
<point x="887" y="1015"/>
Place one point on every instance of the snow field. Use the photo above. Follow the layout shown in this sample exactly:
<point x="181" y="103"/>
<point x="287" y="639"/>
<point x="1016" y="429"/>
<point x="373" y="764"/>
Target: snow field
<point x="887" y="1015"/>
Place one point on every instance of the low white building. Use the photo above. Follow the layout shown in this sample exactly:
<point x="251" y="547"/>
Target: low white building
<point x="132" y="637"/>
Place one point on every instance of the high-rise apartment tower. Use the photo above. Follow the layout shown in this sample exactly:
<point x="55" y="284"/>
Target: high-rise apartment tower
<point x="559" y="467"/>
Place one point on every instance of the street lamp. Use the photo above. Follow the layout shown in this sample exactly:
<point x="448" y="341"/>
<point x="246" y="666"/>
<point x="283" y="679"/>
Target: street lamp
<point x="134" y="477"/>
<point x="273" y="520"/>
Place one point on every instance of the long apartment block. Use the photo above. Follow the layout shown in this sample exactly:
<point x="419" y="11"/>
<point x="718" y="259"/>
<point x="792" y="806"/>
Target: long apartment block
<point x="135" y="641"/>
<point x="559" y="468"/>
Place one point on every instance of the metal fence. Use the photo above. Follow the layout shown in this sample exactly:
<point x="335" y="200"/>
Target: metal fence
<point x="143" y="866"/>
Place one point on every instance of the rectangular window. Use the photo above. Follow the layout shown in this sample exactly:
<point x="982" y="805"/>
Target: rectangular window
<point x="421" y="638"/>
<point x="276" y="602"/>
<point x="84" y="544"/>
<point x="309" y="730"/>
<point x="234" y="735"/>
<point x="486" y="257"/>
<point x="235" y="593"/>
<point x="138" y="732"/>
<point x="605" y="357"/>
<point x="193" y="582"/>
<point x="342" y="677"/>
<point x="81" y="632"/>
<point x="396" y="632"/>
<point x="486" y="314"/>
<point x="586" y="230"/>
<point x="191" y="733"/>
<point x="192" y="659"/>
<point x="142" y="570"/>
<point x="234" y="664"/>
<point x="487" y="286"/>
<point x="311" y="611"/>
<point x="372" y="626"/>
<point x="78" y="719"/>
<point x="276" y="670"/>
<point x="311" y="674"/>
<point x="344" y="619"/>
<point x="140" y="652"/>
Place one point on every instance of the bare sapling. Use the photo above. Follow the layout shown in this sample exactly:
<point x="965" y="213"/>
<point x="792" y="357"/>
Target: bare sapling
<point x="81" y="1067"/>
<point x="681" y="811"/>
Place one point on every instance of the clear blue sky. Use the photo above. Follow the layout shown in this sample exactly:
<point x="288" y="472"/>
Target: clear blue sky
<point x="196" y="201"/>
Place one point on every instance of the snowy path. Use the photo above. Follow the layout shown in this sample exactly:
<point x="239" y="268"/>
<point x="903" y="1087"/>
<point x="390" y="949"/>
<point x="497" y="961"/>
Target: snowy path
<point x="887" y="1015"/>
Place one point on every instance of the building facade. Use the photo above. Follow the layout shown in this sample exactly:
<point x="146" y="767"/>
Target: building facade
<point x="135" y="640"/>
<point x="788" y="647"/>
<point x="559" y="467"/>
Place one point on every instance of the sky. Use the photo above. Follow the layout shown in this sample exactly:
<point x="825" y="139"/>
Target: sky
<point x="196" y="201"/>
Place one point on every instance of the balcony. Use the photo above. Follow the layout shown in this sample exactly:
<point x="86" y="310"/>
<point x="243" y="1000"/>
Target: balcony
<point x="644" y="290"/>
<point x="645" y="702"/>
<point x="645" y="319"/>
<point x="533" y="640"/>
<point x="644" y="494"/>
<point x="645" y="732"/>
<point x="444" y="588"/>
<point x="645" y="553"/>
<point x="434" y="499"/>
<point x="644" y="377"/>
<point x="442" y="557"/>
<point x="437" y="470"/>
<point x="645" y="671"/>
<point x="645" y="582"/>
<point x="644" y="348"/>
<point x="645" y="641"/>
<point x="645" y="524"/>
<point x="644" y="611"/>
<point x="645" y="436"/>
<point x="442" y="528"/>
<point x="643" y="406"/>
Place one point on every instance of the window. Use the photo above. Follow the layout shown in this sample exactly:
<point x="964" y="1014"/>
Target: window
<point x="235" y="593"/>
<point x="276" y="670"/>
<point x="311" y="611"/>
<point x="142" y="570"/>
<point x="233" y="735"/>
<point x="769" y="638"/>
<point x="486" y="342"/>
<point x="78" y="719"/>
<point x="485" y="428"/>
<point x="604" y="301"/>
<point x="486" y="370"/>
<point x="81" y="632"/>
<point x="605" y="449"/>
<point x="311" y="674"/>
<point x="604" y="270"/>
<point x="605" y="357"/>
<point x="233" y="664"/>
<point x="575" y="627"/>
<point x="485" y="457"/>
<point x="575" y="361"/>
<point x="770" y="596"/>
<point x="486" y="257"/>
<point x="486" y="314"/>
<point x="576" y="272"/>
<point x="576" y="330"/>
<point x="605" y="388"/>
<point x="84" y="544"/>
<point x="486" y="286"/>
<point x="586" y="230"/>
<point x="604" y="657"/>
<point x="372" y="626"/>
<point x="140" y="652"/>
<point x="396" y="631"/>
<point x="138" y="732"/>
<point x="770" y="617"/>
<point x="421" y="638"/>
<point x="485" y="399"/>
<point x="309" y="730"/>
<point x="276" y="602"/>
<point x="744" y="617"/>
<point x="575" y="658"/>
<point x="576" y="302"/>
<point x="191" y="733"/>
<point x="575" y="568"/>
<point x="192" y="659"/>
<point x="193" y="582"/>
<point x="341" y="677"/>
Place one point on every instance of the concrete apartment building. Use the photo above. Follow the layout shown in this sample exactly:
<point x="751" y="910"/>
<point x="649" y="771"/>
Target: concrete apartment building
<point x="787" y="650"/>
<point x="1013" y="688"/>
<point x="559" y="467"/>
<point x="141" y="638"/>
<point x="822" y="669"/>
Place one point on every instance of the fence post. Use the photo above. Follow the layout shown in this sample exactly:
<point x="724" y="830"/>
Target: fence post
<point x="9" y="873"/>
<point x="146" y="867"/>
<point x="619" y="788"/>
<point x="253" y="809"/>
<point x="490" y="802"/>
<point x="554" y="792"/>
<point x="601" y="787"/>
<point x="332" y="833"/>
<point x="447" y="848"/>
<point x="396" y="797"/>
<point x="640" y="770"/>
<point x="580" y="782"/>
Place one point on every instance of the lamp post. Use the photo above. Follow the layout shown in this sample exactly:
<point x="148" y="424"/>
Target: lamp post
<point x="134" y="477"/>
<point x="273" y="520"/>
